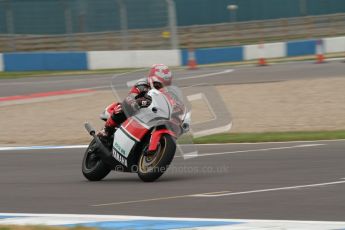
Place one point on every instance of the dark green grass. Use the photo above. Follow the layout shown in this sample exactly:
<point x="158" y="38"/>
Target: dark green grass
<point x="23" y="74"/>
<point x="271" y="137"/>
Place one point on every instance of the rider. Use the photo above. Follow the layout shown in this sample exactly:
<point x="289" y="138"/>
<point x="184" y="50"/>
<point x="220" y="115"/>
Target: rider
<point x="159" y="77"/>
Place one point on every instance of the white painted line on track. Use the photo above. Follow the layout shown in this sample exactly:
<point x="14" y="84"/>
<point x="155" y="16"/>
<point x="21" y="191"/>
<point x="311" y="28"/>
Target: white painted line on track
<point x="10" y="148"/>
<point x="151" y="199"/>
<point x="274" y="142"/>
<point x="15" y="148"/>
<point x="131" y="83"/>
<point x="271" y="189"/>
<point x="259" y="150"/>
<point x="206" y="75"/>
<point x="43" y="147"/>
<point x="220" y="194"/>
<point x="309" y="145"/>
<point x="82" y="146"/>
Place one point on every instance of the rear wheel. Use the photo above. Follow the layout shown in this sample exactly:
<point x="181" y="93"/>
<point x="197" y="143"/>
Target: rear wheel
<point x="151" y="167"/>
<point x="93" y="167"/>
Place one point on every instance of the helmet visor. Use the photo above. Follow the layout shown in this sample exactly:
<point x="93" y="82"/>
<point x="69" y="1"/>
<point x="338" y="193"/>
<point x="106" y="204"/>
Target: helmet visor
<point x="157" y="85"/>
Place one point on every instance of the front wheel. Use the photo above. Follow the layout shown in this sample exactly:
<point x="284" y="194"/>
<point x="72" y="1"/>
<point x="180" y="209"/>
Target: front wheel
<point x="93" y="167"/>
<point x="151" y="167"/>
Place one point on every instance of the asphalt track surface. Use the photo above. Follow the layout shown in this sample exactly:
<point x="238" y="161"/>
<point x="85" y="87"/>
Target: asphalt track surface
<point x="206" y="75"/>
<point x="300" y="181"/>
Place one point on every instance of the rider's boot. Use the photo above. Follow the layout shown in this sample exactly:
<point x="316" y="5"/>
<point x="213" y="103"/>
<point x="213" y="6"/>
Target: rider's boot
<point x="108" y="130"/>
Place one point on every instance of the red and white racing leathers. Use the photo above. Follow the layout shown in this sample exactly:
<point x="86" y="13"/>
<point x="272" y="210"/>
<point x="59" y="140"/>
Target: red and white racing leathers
<point x="115" y="113"/>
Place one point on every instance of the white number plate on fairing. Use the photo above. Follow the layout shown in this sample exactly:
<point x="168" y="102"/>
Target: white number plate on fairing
<point x="122" y="143"/>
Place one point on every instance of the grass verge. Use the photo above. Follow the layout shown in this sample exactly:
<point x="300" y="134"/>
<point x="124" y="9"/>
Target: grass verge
<point x="271" y="137"/>
<point x="23" y="74"/>
<point x="276" y="60"/>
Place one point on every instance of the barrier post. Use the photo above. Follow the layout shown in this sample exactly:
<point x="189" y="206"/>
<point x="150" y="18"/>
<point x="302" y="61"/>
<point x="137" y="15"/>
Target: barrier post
<point x="320" y="58"/>
<point x="192" y="64"/>
<point x="262" y="58"/>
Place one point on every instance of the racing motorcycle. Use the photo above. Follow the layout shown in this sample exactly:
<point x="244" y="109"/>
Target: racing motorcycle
<point x="145" y="143"/>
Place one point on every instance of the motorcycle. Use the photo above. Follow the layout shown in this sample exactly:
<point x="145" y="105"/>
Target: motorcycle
<point x="145" y="143"/>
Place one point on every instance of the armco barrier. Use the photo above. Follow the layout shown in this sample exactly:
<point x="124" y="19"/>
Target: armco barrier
<point x="300" y="48"/>
<point x="215" y="55"/>
<point x="334" y="45"/>
<point x="1" y="63"/>
<point x="144" y="58"/>
<point x="270" y="50"/>
<point x="45" y="61"/>
<point x="131" y="58"/>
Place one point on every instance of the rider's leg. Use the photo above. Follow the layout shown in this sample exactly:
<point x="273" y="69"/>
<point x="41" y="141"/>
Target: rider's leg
<point x="112" y="123"/>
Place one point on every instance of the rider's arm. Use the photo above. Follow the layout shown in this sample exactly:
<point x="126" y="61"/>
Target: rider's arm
<point x="136" y="97"/>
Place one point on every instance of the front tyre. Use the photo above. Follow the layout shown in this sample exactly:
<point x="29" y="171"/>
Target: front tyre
<point x="93" y="167"/>
<point x="151" y="167"/>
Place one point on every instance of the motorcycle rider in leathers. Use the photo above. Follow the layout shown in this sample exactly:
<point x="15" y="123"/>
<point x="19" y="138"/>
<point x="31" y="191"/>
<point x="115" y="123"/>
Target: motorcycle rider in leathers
<point x="159" y="76"/>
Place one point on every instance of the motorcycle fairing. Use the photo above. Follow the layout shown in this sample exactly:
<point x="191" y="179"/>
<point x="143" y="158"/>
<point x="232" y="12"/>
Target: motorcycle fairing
<point x="135" y="128"/>
<point x="126" y="139"/>
<point x="160" y="112"/>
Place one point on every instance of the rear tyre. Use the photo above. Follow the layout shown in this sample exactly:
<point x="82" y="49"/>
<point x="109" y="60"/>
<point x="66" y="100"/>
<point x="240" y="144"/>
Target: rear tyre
<point x="150" y="168"/>
<point x="93" y="167"/>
